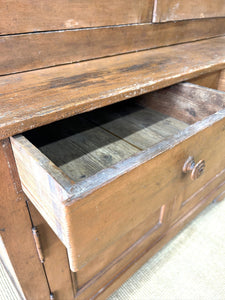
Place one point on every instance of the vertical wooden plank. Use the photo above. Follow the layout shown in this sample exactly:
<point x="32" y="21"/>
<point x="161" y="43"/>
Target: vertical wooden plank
<point x="174" y="10"/>
<point x="15" y="229"/>
<point x="210" y="80"/>
<point x="221" y="85"/>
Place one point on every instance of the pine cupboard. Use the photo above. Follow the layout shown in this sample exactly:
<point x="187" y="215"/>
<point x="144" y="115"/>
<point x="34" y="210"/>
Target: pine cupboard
<point x="112" y="127"/>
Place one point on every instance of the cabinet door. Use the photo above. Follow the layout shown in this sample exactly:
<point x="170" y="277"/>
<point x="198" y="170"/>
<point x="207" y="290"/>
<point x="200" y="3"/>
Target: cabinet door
<point x="172" y="10"/>
<point x="31" y="16"/>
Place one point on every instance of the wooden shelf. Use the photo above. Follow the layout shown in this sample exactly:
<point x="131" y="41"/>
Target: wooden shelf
<point x="35" y="98"/>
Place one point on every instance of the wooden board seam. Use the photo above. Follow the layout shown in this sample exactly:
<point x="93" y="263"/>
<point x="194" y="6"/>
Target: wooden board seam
<point x="19" y="66"/>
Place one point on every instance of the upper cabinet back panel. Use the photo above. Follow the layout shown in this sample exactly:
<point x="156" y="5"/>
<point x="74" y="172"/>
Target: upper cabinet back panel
<point x="172" y="10"/>
<point x="25" y="52"/>
<point x="31" y="16"/>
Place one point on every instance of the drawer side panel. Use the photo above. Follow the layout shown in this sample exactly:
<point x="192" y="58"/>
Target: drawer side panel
<point x="45" y="192"/>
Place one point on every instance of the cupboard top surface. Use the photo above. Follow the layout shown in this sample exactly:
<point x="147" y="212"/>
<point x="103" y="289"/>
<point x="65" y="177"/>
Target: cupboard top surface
<point x="35" y="98"/>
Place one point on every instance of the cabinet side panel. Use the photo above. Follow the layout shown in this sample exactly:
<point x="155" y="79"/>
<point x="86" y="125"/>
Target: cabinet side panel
<point x="16" y="230"/>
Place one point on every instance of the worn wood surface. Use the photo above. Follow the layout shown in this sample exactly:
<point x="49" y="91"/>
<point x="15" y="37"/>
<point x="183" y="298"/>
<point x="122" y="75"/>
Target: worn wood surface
<point x="32" y="51"/>
<point x="221" y="85"/>
<point x="39" y="97"/>
<point x="114" y="272"/>
<point x="123" y="271"/>
<point x="29" y="16"/>
<point x="173" y="10"/>
<point x="83" y="145"/>
<point x="122" y="249"/>
<point x="177" y="101"/>
<point x="126" y="219"/>
<point x="74" y="201"/>
<point x="181" y="207"/>
<point x="184" y="207"/>
<point x="79" y="147"/>
<point x="49" y="184"/>
<point x="135" y="124"/>
<point x="16" y="231"/>
<point x="145" y="180"/>
<point x="210" y="80"/>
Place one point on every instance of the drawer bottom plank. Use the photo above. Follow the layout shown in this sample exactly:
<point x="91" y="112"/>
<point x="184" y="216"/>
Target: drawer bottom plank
<point x="83" y="145"/>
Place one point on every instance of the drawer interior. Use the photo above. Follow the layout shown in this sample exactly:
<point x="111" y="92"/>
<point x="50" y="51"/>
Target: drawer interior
<point x="185" y="101"/>
<point x="85" y="144"/>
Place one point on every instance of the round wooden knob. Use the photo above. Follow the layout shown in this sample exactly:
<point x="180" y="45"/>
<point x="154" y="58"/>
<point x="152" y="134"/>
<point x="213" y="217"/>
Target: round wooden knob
<point x="195" y="169"/>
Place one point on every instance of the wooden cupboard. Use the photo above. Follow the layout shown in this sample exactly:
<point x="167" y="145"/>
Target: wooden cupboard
<point x="107" y="150"/>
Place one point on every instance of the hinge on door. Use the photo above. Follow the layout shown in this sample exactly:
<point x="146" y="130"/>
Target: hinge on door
<point x="37" y="242"/>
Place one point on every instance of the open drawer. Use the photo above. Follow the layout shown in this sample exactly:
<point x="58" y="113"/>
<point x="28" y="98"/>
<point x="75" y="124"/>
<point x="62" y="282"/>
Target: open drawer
<point x="117" y="173"/>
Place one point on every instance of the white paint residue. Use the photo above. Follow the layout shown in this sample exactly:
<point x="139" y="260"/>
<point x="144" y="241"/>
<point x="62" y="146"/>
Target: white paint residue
<point x="71" y="23"/>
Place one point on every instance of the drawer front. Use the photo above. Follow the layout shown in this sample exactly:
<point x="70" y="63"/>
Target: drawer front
<point x="125" y="209"/>
<point x="207" y="145"/>
<point x="118" y="207"/>
<point x="135" y="198"/>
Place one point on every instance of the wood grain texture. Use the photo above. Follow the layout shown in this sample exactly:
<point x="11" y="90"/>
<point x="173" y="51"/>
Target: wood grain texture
<point x="221" y="85"/>
<point x="122" y="249"/>
<point x="46" y="183"/>
<point x="83" y="145"/>
<point x="106" y="283"/>
<point x="142" y="183"/>
<point x="135" y="124"/>
<point x="177" y="101"/>
<point x="16" y="229"/>
<point x="182" y="207"/>
<point x="210" y="80"/>
<point x="28" y="16"/>
<point x="174" y="10"/>
<point x="79" y="147"/>
<point x="126" y="221"/>
<point x="32" y="51"/>
<point x="114" y="270"/>
<point x="39" y="97"/>
<point x="86" y="205"/>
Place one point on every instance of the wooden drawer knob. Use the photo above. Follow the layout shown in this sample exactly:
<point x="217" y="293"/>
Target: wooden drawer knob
<point x="195" y="169"/>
